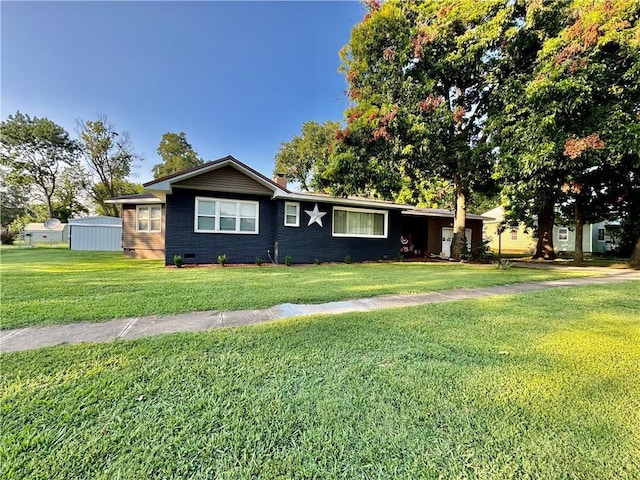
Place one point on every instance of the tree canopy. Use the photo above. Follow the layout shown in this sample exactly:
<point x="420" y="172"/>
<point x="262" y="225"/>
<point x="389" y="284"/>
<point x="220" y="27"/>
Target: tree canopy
<point x="304" y="158"/>
<point x="177" y="154"/>
<point x="567" y="128"/>
<point x="34" y="152"/>
<point x="109" y="158"/>
<point x="420" y="76"/>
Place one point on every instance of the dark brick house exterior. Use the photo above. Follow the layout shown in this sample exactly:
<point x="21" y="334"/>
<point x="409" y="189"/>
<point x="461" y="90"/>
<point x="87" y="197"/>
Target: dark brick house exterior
<point x="225" y="207"/>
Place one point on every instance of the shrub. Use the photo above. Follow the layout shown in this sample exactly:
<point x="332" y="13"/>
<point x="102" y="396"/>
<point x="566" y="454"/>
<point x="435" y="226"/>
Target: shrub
<point x="222" y="259"/>
<point x="482" y="253"/>
<point x="177" y="261"/>
<point x="7" y="237"/>
<point x="347" y="259"/>
<point x="288" y="260"/>
<point x="502" y="264"/>
<point x="317" y="262"/>
<point x="258" y="261"/>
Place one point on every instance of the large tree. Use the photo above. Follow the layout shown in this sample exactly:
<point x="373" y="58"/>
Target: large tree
<point x="420" y="78"/>
<point x="568" y="130"/>
<point x="34" y="153"/>
<point x="177" y="154"/>
<point x="109" y="157"/>
<point x="304" y="158"/>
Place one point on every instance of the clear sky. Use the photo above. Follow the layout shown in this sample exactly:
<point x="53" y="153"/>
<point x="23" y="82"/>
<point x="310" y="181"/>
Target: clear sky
<point x="239" y="78"/>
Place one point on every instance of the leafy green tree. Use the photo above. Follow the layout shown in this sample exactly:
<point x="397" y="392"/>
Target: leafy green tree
<point x="109" y="157"/>
<point x="34" y="152"/>
<point x="304" y="158"/>
<point x="568" y="130"/>
<point x="123" y="188"/>
<point x="177" y="154"/>
<point x="420" y="77"/>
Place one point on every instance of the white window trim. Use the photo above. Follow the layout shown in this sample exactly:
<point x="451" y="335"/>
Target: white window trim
<point x="297" y="222"/>
<point x="216" y="217"/>
<point x="360" y="210"/>
<point x="563" y="231"/>
<point x="147" y="207"/>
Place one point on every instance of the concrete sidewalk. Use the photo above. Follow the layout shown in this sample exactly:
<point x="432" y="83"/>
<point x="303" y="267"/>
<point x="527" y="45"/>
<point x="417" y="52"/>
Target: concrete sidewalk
<point x="129" y="328"/>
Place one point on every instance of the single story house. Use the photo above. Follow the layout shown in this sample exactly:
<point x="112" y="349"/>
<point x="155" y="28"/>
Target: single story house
<point x="39" y="233"/>
<point x="97" y="233"/>
<point x="226" y="207"/>
<point x="598" y="237"/>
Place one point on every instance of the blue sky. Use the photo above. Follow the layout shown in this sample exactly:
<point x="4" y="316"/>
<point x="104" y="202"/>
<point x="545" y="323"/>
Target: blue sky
<point x="239" y="78"/>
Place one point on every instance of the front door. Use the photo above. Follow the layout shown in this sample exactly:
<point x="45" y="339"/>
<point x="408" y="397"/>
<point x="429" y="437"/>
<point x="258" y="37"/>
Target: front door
<point x="447" y="240"/>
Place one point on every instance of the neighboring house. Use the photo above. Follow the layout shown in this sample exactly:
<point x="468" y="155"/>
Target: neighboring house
<point x="98" y="233"/>
<point x="38" y="233"/>
<point x="226" y="207"/>
<point x="597" y="237"/>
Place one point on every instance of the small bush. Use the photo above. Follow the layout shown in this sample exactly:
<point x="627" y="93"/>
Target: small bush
<point x="223" y="259"/>
<point x="288" y="260"/>
<point x="7" y="238"/>
<point x="347" y="259"/>
<point x="258" y="261"/>
<point x="482" y="253"/>
<point x="502" y="264"/>
<point x="177" y="261"/>
<point x="317" y="262"/>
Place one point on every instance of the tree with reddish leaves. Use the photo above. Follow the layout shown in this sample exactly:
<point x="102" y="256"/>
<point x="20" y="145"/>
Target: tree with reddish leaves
<point x="568" y="129"/>
<point x="420" y="77"/>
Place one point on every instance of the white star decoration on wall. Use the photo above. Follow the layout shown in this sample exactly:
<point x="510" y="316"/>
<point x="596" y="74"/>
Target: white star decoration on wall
<point x="315" y="215"/>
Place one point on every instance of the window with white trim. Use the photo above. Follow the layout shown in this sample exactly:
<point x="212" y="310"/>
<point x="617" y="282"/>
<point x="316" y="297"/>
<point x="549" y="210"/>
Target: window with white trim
<point x="148" y="218"/>
<point x="514" y="234"/>
<point x="216" y="215"/>
<point x="291" y="214"/>
<point x="359" y="222"/>
<point x="563" y="234"/>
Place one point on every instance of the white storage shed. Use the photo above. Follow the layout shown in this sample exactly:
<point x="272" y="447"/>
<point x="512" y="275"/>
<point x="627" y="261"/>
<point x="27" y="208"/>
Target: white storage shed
<point x="95" y="233"/>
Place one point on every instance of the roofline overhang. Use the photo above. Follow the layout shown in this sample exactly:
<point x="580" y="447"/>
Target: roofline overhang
<point x="356" y="202"/>
<point x="134" y="201"/>
<point x="422" y="213"/>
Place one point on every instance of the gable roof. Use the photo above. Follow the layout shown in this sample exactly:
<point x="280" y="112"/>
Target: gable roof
<point x="164" y="184"/>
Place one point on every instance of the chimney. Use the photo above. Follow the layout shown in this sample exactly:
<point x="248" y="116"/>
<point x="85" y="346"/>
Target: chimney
<point x="281" y="180"/>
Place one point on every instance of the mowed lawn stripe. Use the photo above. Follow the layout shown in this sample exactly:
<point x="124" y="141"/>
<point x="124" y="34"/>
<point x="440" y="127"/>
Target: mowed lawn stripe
<point x="48" y="286"/>
<point x="538" y="385"/>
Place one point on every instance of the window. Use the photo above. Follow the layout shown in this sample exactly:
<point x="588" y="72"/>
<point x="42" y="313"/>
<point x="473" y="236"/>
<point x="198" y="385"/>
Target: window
<point x="356" y="222"/>
<point x="149" y="218"/>
<point x="563" y="234"/>
<point x="514" y="234"/>
<point x="601" y="234"/>
<point x="291" y="214"/>
<point x="214" y="215"/>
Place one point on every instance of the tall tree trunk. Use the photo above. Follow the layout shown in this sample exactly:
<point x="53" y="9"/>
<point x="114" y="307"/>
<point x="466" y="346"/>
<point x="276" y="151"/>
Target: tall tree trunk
<point x="578" y="253"/>
<point x="634" y="260"/>
<point x="544" y="246"/>
<point x="459" y="245"/>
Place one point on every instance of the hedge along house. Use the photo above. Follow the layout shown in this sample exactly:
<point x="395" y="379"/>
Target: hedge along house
<point x="226" y="207"/>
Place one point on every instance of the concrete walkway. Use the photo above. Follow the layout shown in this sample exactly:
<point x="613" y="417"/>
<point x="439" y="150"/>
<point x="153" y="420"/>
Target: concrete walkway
<point x="129" y="328"/>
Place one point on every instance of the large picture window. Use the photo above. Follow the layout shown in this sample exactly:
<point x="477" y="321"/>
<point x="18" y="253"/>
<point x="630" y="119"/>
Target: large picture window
<point x="357" y="222"/>
<point x="149" y="218"/>
<point x="215" y="215"/>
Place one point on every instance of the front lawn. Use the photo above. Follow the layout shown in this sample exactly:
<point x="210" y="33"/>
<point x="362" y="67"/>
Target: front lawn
<point x="541" y="385"/>
<point x="47" y="286"/>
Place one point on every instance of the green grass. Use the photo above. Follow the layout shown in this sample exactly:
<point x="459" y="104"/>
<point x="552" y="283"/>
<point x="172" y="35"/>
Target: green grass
<point x="535" y="386"/>
<point x="47" y="286"/>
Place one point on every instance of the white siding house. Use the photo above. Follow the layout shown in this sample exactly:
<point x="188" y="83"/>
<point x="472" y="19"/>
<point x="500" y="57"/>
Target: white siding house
<point x="38" y="233"/>
<point x="95" y="233"/>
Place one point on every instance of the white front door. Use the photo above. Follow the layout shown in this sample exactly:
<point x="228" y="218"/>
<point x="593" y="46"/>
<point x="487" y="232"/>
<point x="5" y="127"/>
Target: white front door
<point x="447" y="240"/>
